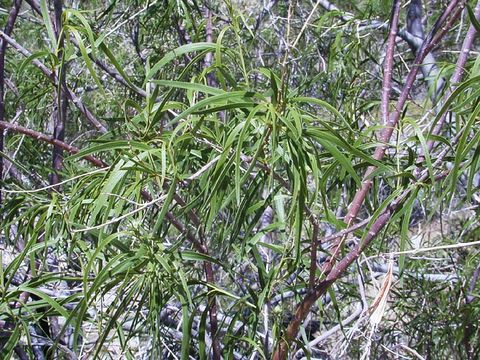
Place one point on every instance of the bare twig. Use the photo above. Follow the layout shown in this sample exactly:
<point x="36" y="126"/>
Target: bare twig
<point x="383" y="268"/>
<point x="433" y="248"/>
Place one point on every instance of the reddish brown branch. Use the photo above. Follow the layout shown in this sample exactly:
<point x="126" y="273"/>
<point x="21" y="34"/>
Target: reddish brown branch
<point x="339" y="269"/>
<point x="49" y="139"/>
<point x="384" y="110"/>
<point x="422" y="175"/>
<point x="387" y="132"/>
<point x="334" y="271"/>
<point x="432" y="40"/>
<point x="457" y="75"/>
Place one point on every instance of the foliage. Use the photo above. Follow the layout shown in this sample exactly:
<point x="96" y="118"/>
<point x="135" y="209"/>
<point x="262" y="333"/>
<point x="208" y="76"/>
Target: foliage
<point x="225" y="161"/>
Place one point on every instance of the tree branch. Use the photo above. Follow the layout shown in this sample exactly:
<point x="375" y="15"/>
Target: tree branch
<point x="50" y="140"/>
<point x="53" y="78"/>
<point x="457" y="75"/>
<point x="334" y="271"/>
<point x="385" y="135"/>
<point x="12" y="16"/>
<point x="60" y="117"/>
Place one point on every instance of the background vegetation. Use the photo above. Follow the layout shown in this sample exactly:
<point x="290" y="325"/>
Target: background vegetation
<point x="239" y="180"/>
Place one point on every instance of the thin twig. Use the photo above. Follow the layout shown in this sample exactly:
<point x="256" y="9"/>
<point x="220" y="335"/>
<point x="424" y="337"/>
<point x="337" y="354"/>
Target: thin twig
<point x="432" y="248"/>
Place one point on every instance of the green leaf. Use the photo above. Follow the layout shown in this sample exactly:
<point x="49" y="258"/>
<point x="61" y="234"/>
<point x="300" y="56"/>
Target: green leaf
<point x="48" y="23"/>
<point x="112" y="145"/>
<point x="473" y="19"/>
<point x="86" y="58"/>
<point x="196" y="256"/>
<point x="182" y="50"/>
<point x="202" y="348"/>
<point x="187" y="320"/>
<point x="404" y="235"/>
<point x="116" y="64"/>
<point x="189" y="86"/>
